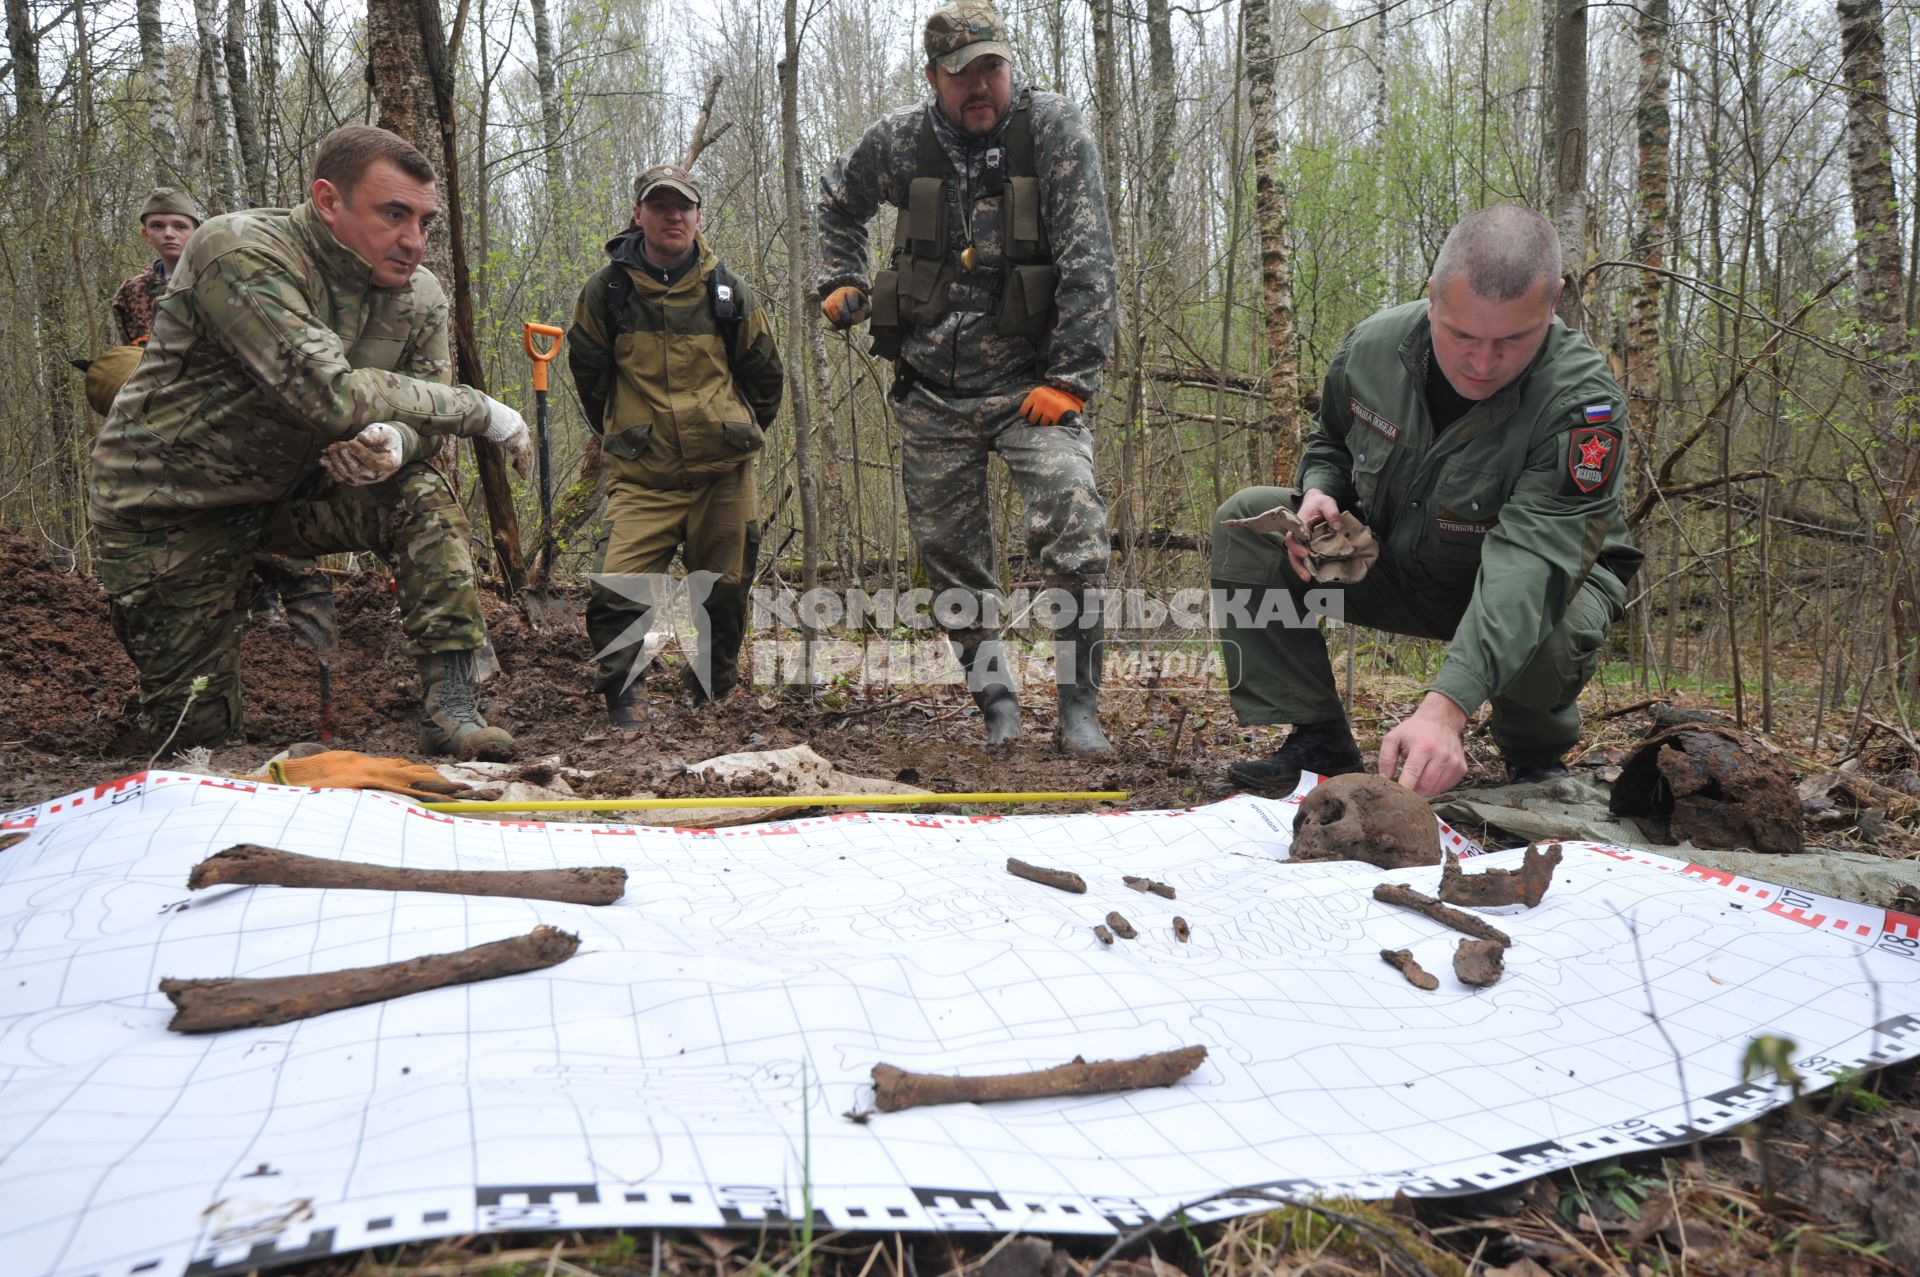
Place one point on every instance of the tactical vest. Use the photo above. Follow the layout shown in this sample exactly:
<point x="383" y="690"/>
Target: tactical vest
<point x="914" y="293"/>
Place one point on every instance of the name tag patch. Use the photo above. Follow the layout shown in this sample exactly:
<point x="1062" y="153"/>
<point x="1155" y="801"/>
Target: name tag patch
<point x="1373" y="421"/>
<point x="1593" y="452"/>
<point x="1448" y="521"/>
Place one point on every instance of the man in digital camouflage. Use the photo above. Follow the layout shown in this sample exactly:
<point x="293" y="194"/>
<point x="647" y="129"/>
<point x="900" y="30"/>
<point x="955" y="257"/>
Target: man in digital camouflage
<point x="297" y="373"/>
<point x="1483" y="442"/>
<point x="677" y="370"/>
<point x="999" y="312"/>
<point x="290" y="588"/>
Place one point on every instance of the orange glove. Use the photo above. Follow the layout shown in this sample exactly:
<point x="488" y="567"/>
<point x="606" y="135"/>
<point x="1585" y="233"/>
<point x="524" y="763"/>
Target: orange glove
<point x="845" y="306"/>
<point x="1049" y="405"/>
<point x="346" y="769"/>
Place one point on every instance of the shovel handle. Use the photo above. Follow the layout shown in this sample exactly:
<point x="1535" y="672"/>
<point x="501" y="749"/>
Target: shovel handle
<point x="541" y="358"/>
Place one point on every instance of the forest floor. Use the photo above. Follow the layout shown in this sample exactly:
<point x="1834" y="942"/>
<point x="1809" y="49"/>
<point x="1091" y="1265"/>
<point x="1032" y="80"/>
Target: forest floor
<point x="1831" y="1186"/>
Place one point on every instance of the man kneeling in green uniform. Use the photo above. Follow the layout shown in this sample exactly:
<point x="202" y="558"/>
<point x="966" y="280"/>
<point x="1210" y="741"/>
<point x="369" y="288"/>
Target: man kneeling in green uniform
<point x="298" y="372"/>
<point x="1482" y="441"/>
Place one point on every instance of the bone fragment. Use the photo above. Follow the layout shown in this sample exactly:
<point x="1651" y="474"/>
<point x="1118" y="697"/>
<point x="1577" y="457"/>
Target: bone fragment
<point x="1181" y="931"/>
<point x="1479" y="962"/>
<point x="1121" y="927"/>
<point x="1100" y="929"/>
<point x="1402" y="961"/>
<point x="249" y="865"/>
<point x="1059" y="878"/>
<point x="1147" y="884"/>
<point x="1393" y="893"/>
<point x="895" y="1089"/>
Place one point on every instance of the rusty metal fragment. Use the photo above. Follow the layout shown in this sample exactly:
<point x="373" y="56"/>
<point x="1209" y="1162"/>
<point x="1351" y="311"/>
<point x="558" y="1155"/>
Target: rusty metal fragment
<point x="1160" y="889"/>
<point x="1393" y="893"/>
<point x="1401" y="960"/>
<point x="1479" y="962"/>
<point x="1059" y="878"/>
<point x="1526" y="885"/>
<point x="1711" y="786"/>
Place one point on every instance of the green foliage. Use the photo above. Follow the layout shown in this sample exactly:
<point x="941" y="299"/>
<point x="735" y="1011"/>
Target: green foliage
<point x="1767" y="1054"/>
<point x="1609" y="1182"/>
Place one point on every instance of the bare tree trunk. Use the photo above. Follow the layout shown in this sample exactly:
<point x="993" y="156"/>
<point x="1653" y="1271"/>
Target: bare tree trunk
<point x="799" y="383"/>
<point x="1654" y="119"/>
<point x="1569" y="149"/>
<point x="246" y="123"/>
<point x="1880" y="292"/>
<point x="224" y="193"/>
<point x="1161" y="79"/>
<point x="1276" y="274"/>
<point x="413" y="94"/>
<point x="269" y="67"/>
<point x="552" y="158"/>
<point x="157" y="87"/>
<point x="1107" y="103"/>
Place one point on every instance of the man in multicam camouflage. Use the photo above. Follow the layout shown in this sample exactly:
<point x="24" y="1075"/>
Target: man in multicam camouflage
<point x="999" y="313"/>
<point x="297" y="373"/>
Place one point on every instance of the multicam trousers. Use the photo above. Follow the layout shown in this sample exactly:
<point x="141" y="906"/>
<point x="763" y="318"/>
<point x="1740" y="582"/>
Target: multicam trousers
<point x="177" y="593"/>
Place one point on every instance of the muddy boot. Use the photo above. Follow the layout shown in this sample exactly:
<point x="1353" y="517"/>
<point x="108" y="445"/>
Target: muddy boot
<point x="1077" y="658"/>
<point x="450" y="721"/>
<point x="720" y="639"/>
<point x="1326" y="748"/>
<point x="990" y="682"/>
<point x="620" y="705"/>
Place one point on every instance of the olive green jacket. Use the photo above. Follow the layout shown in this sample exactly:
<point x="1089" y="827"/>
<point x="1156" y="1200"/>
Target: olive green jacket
<point x="270" y="343"/>
<point x="676" y="407"/>
<point x="1507" y="514"/>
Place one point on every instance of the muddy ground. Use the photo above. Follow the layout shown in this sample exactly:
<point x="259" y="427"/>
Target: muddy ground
<point x="1831" y="1188"/>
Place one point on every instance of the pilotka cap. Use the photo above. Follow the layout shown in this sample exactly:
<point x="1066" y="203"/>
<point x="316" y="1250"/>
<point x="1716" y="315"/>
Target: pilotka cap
<point x="958" y="33"/>
<point x="167" y="199"/>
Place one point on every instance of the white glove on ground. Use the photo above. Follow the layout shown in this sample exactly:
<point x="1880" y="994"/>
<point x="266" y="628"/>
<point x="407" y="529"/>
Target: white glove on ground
<point x="509" y="429"/>
<point x="368" y="457"/>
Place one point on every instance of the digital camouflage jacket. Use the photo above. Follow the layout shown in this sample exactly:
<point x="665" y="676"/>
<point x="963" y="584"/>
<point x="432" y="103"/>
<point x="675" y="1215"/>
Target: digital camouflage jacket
<point x="963" y="350"/>
<point x="271" y="343"/>
<point x="1511" y="509"/>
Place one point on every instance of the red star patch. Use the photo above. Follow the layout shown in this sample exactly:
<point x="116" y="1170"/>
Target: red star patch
<point x="1591" y="456"/>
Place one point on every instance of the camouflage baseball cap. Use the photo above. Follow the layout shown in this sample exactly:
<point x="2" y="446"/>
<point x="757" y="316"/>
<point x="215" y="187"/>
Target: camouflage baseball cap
<point x="960" y="32"/>
<point x="671" y="176"/>
<point x="167" y="199"/>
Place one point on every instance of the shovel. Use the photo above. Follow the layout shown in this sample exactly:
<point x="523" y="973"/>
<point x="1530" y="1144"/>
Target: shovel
<point x="545" y="609"/>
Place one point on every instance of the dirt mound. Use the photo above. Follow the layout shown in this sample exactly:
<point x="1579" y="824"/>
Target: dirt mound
<point x="67" y="677"/>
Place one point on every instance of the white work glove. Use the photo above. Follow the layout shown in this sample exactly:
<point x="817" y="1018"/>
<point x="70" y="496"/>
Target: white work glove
<point x="509" y="429"/>
<point x="368" y="457"/>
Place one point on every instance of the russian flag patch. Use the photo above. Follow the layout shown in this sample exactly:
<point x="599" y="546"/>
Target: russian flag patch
<point x="1598" y="414"/>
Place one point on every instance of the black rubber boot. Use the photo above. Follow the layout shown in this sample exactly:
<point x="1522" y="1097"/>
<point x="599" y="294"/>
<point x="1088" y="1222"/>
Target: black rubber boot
<point x="720" y="641"/>
<point x="1326" y="748"/>
<point x="1078" y="732"/>
<point x="450" y="721"/>
<point x="1535" y="770"/>
<point x="620" y="705"/>
<point x="990" y="682"/>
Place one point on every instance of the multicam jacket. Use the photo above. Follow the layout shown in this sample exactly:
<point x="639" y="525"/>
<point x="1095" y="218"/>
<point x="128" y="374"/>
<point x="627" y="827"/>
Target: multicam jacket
<point x="677" y="405"/>
<point x="133" y="304"/>
<point x="271" y="343"/>
<point x="1511" y="509"/>
<point x="963" y="350"/>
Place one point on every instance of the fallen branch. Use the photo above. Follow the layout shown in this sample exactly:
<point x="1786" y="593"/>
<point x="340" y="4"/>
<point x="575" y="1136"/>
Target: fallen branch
<point x="254" y="866"/>
<point x="1147" y="884"/>
<point x="1526" y="885"/>
<point x="208" y="1006"/>
<point x="1058" y="878"/>
<point x="1401" y="960"/>
<point x="895" y="1089"/>
<point x="1393" y="893"/>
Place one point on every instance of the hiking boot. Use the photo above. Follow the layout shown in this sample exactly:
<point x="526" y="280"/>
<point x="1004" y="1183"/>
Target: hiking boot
<point x="620" y="704"/>
<point x="1535" y="770"/>
<point x="450" y="721"/>
<point x="1326" y="748"/>
<point x="990" y="684"/>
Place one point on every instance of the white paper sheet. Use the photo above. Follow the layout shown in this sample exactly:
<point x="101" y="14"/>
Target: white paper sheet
<point x="691" y="1065"/>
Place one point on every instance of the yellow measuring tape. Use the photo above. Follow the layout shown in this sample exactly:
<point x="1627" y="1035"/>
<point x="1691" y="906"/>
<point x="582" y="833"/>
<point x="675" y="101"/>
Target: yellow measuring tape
<point x="780" y="800"/>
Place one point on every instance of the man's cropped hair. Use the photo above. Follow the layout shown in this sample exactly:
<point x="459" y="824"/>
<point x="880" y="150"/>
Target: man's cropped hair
<point x="346" y="152"/>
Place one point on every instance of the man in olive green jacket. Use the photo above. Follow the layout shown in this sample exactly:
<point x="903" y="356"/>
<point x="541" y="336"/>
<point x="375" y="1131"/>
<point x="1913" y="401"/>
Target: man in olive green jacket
<point x="297" y="375"/>
<point x="1483" y="442"/>
<point x="677" y="370"/>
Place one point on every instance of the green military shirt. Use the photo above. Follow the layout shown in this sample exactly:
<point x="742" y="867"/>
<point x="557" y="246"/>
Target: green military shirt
<point x="270" y="343"/>
<point x="1506" y="513"/>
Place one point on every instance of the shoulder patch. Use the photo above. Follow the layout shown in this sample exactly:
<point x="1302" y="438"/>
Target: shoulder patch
<point x="1593" y="454"/>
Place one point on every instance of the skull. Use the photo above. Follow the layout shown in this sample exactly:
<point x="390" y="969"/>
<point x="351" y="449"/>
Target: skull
<point x="1367" y="818"/>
